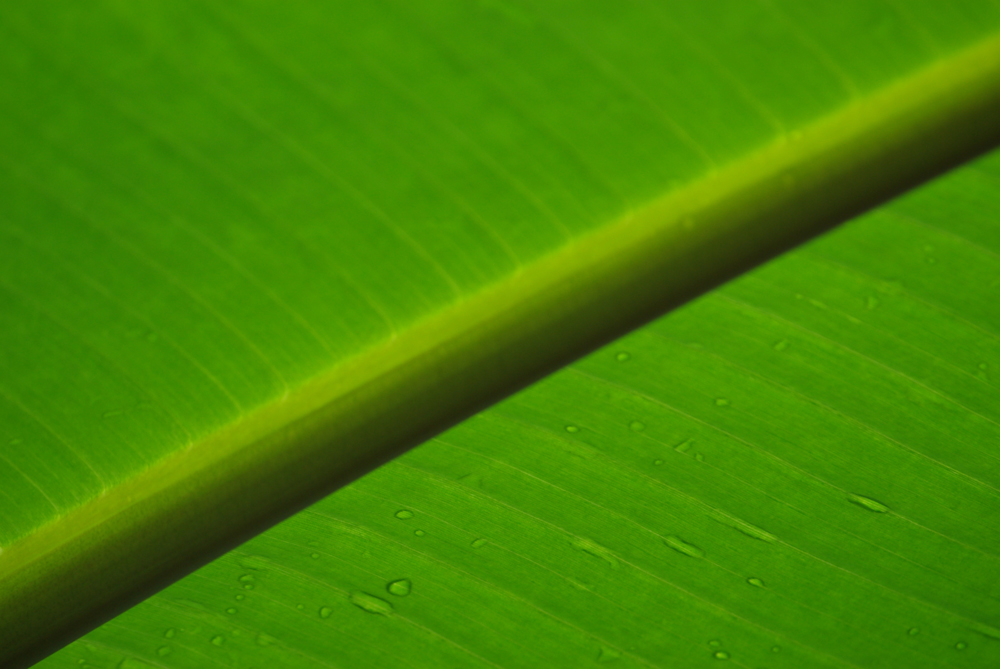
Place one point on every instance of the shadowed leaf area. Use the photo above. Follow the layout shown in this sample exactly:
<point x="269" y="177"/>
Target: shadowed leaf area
<point x="249" y="252"/>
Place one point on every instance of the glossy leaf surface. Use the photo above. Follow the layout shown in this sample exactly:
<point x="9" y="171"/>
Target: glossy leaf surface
<point x="248" y="253"/>
<point x="799" y="469"/>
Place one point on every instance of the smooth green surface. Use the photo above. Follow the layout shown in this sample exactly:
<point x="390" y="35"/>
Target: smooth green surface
<point x="231" y="234"/>
<point x="799" y="469"/>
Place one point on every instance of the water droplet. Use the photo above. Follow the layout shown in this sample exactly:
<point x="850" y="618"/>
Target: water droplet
<point x="163" y="651"/>
<point x="403" y="514"/>
<point x="134" y="663"/>
<point x="300" y="607"/>
<point x="169" y="634"/>
<point x="714" y="643"/>
<point x="266" y="640"/>
<point x="913" y="631"/>
<point x="721" y="655"/>
<point x="781" y="345"/>
<point x="572" y="428"/>
<point x="371" y="603"/>
<point x="622" y="356"/>
<point x="419" y="533"/>
<point x="746" y="528"/>
<point x="775" y="649"/>
<point x="478" y="543"/>
<point x="595" y="549"/>
<point x="722" y="402"/>
<point x="684" y="446"/>
<point x="400" y="588"/>
<point x="756" y="581"/>
<point x="637" y="426"/>
<point x="684" y="547"/>
<point x="231" y="610"/>
<point x="868" y="503"/>
<point x="218" y="640"/>
<point x="325" y="612"/>
<point x="960" y="645"/>
<point x="985" y="630"/>
<point x="314" y="556"/>
<point x="700" y="457"/>
<point x="983" y="366"/>
<point x="606" y="654"/>
<point x="657" y="462"/>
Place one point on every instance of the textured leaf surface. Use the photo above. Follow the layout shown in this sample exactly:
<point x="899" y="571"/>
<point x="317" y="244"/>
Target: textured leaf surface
<point x="799" y="469"/>
<point x="248" y="253"/>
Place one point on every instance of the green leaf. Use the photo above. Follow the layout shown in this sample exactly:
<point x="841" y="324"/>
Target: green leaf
<point x="249" y="253"/>
<point x="799" y="469"/>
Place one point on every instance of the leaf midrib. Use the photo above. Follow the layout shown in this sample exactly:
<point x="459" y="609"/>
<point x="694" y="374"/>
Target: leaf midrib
<point x="368" y="409"/>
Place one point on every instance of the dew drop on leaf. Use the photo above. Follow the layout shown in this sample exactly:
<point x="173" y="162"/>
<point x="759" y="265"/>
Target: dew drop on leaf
<point x="721" y="655"/>
<point x="218" y="640"/>
<point x="400" y="588"/>
<point x="868" y="503"/>
<point x="700" y="457"/>
<point x="714" y="643"/>
<point x="478" y="543"/>
<point x="775" y="649"/>
<point x="163" y="651"/>
<point x="756" y="582"/>
<point x="913" y="631"/>
<point x="419" y="533"/>
<point x="684" y="547"/>
<point x="231" y="611"/>
<point x="314" y="556"/>
<point x="572" y="428"/>
<point x="985" y="630"/>
<point x="325" y="612"/>
<point x="684" y="446"/>
<point x="134" y="663"/>
<point x="637" y="426"/>
<point x="593" y="548"/>
<point x="606" y="654"/>
<point x="622" y="356"/>
<point x="657" y="462"/>
<point x="169" y="634"/>
<point x="247" y="581"/>
<point x="781" y="345"/>
<point x="266" y="640"/>
<point x="960" y="645"/>
<point x="371" y="603"/>
<point x="403" y="514"/>
<point x="722" y="402"/>
<point x="240" y="598"/>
